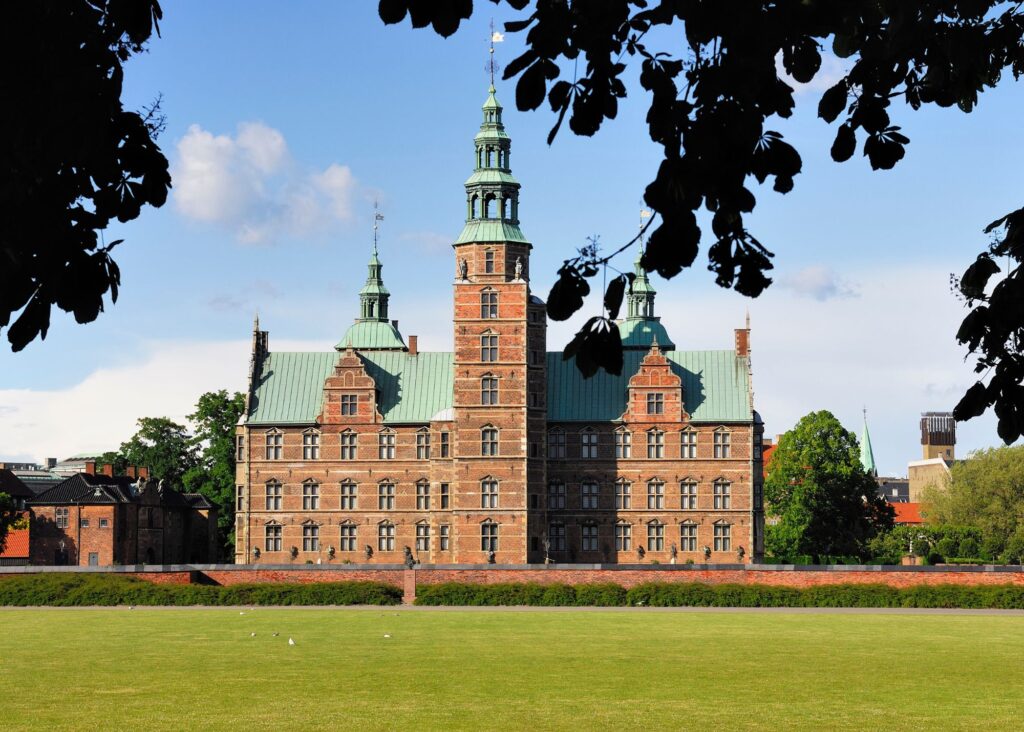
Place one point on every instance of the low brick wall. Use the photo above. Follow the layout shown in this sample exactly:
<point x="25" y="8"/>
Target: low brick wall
<point x="233" y="575"/>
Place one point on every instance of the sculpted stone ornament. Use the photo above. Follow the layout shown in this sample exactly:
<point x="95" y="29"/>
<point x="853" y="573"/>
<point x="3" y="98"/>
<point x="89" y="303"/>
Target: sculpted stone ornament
<point x="707" y="552"/>
<point x="640" y="553"/>
<point x="546" y="543"/>
<point x="490" y="556"/>
<point x="673" y="552"/>
<point x="368" y="551"/>
<point x="410" y="561"/>
<point x="740" y="553"/>
<point x="463" y="269"/>
<point x="519" y="268"/>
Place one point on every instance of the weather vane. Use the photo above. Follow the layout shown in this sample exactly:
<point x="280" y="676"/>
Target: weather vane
<point x="496" y="37"/>
<point x="377" y="218"/>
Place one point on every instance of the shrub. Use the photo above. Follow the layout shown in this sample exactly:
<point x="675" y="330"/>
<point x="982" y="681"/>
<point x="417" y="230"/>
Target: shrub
<point x="969" y="548"/>
<point x="600" y="595"/>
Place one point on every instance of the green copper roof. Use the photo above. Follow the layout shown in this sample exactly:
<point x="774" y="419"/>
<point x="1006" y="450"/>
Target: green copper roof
<point x="492" y="99"/>
<point x="490" y="230"/>
<point x="289" y="387"/>
<point x="371" y="335"/>
<point x="490" y="175"/>
<point x="867" y="455"/>
<point x="639" y="333"/>
<point x="716" y="387"/>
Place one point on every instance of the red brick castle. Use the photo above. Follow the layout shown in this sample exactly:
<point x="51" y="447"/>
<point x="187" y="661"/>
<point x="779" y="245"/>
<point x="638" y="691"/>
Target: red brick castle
<point x="499" y="451"/>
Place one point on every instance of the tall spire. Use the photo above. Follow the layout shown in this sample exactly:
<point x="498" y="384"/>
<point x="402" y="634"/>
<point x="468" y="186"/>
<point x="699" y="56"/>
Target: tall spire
<point x="641" y="329"/>
<point x="373" y="298"/>
<point x="867" y="455"/>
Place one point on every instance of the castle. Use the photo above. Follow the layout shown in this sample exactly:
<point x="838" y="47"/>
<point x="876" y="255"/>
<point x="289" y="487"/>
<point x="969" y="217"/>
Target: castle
<point x="499" y="451"/>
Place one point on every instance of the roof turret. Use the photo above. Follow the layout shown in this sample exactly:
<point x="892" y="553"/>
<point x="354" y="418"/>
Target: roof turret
<point x="641" y="328"/>
<point x="372" y="329"/>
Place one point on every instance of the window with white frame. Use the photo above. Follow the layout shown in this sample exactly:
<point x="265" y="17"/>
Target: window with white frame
<point x="688" y="495"/>
<point x="688" y="444"/>
<point x="423" y="495"/>
<point x="721" y="442"/>
<point x="655" y="403"/>
<point x="348" y="405"/>
<point x="489" y="440"/>
<point x="623" y="537"/>
<point x="589" y="492"/>
<point x="556" y="494"/>
<point x="556" y="536"/>
<point x="348" y="445"/>
<point x="488" y="304"/>
<point x="310" y="537"/>
<point x="272" y="537"/>
<point x="310" y="496"/>
<point x="423" y="444"/>
<point x="386" y="536"/>
<point x="589" y="538"/>
<point x="688" y="536"/>
<point x="385" y="496"/>
<point x="488" y="347"/>
<point x="310" y="445"/>
<point x="62" y="517"/>
<point x="386" y="445"/>
<point x="488" y="536"/>
<point x="723" y="537"/>
<point x="655" y="444"/>
<point x="348" y="537"/>
<point x="623" y="443"/>
<point x="489" y="390"/>
<point x="348" y="495"/>
<point x="723" y="494"/>
<point x="422" y="537"/>
<point x="274" y="445"/>
<point x="623" y="494"/>
<point x="488" y="493"/>
<point x="273" y="496"/>
<point x="556" y="444"/>
<point x="588" y="444"/>
<point x="655" y="494"/>
<point x="444" y="532"/>
<point x="655" y="536"/>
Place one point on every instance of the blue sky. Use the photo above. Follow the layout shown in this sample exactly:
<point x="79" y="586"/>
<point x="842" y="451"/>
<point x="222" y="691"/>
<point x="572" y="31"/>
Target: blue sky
<point x="286" y="121"/>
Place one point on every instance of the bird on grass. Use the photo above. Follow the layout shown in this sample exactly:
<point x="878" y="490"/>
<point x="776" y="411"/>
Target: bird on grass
<point x="387" y="635"/>
<point x="252" y="635"/>
<point x="131" y="607"/>
<point x="276" y="634"/>
<point x="291" y="642"/>
<point x="241" y="613"/>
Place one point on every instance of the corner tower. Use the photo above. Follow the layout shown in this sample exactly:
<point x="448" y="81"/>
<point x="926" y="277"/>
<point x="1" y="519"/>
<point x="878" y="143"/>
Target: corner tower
<point x="499" y="361"/>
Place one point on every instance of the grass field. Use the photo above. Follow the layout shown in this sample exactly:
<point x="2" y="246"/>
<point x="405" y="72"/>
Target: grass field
<point x="174" y="669"/>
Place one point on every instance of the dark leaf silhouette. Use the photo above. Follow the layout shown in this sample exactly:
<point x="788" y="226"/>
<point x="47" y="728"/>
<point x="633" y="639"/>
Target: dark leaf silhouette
<point x="597" y="345"/>
<point x="566" y="296"/>
<point x="845" y="144"/>
<point x="615" y="292"/>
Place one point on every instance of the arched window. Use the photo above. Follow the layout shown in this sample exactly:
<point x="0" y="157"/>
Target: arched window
<point x="623" y="443"/>
<point x="475" y="206"/>
<point x="489" y="389"/>
<point x="386" y="444"/>
<point x="488" y="493"/>
<point x="385" y="536"/>
<point x="488" y="304"/>
<point x="274" y="444"/>
<point x="311" y="445"/>
<point x="489" y="440"/>
<point x="489" y="200"/>
<point x="488" y="346"/>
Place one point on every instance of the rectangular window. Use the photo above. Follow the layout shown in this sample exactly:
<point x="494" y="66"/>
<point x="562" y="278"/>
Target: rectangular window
<point x="655" y="494"/>
<point x="310" y="538"/>
<point x="688" y="537"/>
<point x="444" y="534"/>
<point x="445" y="445"/>
<point x="623" y="497"/>
<point x="488" y="304"/>
<point x="348" y="496"/>
<point x="348" y="445"/>
<point x="348" y="405"/>
<point x="655" y="537"/>
<point x="723" y="537"/>
<point x="758" y="447"/>
<point x="759" y="496"/>
<point x="655" y="403"/>
<point x="722" y="447"/>
<point x="623" y="444"/>
<point x="386" y="537"/>
<point x="62" y="517"/>
<point x="688" y="444"/>
<point x="489" y="390"/>
<point x="655" y="444"/>
<point x="273" y="496"/>
<point x="386" y="445"/>
<point x="241" y="498"/>
<point x="588" y="445"/>
<point x="489" y="261"/>
<point x="240" y="448"/>
<point x="310" y="445"/>
<point x="623" y="537"/>
<point x="556" y="495"/>
<point x="310" y="496"/>
<point x="556" y="444"/>
<point x="422" y="537"/>
<point x="723" y="497"/>
<point x="589" y="492"/>
<point x="556" y="535"/>
<point x="688" y="495"/>
<point x="348" y="537"/>
<point x="445" y="496"/>
<point x="488" y="347"/>
<point x="488" y="494"/>
<point x="423" y="445"/>
<point x="386" y="496"/>
<point x="489" y="537"/>
<point x="488" y="441"/>
<point x="423" y="496"/>
<point x="272" y="538"/>
<point x="84" y="523"/>
<point x="104" y="523"/>
<point x="275" y="442"/>
<point x="589" y="536"/>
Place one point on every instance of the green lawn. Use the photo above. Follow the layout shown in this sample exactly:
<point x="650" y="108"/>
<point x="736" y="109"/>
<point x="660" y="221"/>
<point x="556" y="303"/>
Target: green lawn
<point x="179" y="669"/>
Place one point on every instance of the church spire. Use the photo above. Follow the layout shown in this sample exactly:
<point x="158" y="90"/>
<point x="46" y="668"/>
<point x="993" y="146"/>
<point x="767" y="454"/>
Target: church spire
<point x="640" y="301"/>
<point x="373" y="298"/>
<point x="867" y="455"/>
<point x="642" y="328"/>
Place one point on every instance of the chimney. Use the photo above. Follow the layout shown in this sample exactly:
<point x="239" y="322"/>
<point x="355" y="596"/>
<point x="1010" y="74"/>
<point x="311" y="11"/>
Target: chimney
<point x="742" y="341"/>
<point x="108" y="470"/>
<point x="51" y="463"/>
<point x="90" y="467"/>
<point x="413" y="345"/>
<point x="130" y="471"/>
<point x="144" y="473"/>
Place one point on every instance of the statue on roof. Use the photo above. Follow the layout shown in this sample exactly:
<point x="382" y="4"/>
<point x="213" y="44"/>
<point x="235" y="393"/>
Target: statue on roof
<point x="519" y="268"/>
<point x="463" y="269"/>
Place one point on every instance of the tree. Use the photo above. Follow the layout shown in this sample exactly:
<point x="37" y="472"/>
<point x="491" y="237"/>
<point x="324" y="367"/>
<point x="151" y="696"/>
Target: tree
<point x="985" y="491"/>
<point x="825" y="503"/>
<point x="714" y="87"/>
<point x="8" y="516"/>
<point x="163" y="446"/>
<point x="73" y="159"/>
<point x="213" y="476"/>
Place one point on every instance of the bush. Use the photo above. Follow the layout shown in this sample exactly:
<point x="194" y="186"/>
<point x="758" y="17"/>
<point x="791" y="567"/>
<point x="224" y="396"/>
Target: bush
<point x="600" y="595"/>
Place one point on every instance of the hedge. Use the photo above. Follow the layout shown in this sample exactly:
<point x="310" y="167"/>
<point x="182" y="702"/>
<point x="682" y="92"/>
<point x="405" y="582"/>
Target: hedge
<point x="97" y="589"/>
<point x="697" y="594"/>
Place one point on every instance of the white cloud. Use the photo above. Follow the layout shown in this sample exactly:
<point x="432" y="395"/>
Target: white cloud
<point x="818" y="282"/>
<point x="250" y="184"/>
<point x="832" y="70"/>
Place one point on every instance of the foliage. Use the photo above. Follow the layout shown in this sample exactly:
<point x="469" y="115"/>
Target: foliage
<point x="985" y="491"/>
<point x="825" y="503"/>
<point x="162" y="445"/>
<point x="73" y="158"/>
<point x="712" y="71"/>
<point x="7" y="518"/>
<point x="73" y="589"/>
<point x="213" y="475"/>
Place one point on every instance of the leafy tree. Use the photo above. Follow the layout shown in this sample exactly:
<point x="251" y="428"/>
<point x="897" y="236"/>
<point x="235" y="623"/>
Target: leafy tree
<point x="710" y="70"/>
<point x="7" y="517"/>
<point x="164" y="446"/>
<point x="73" y="158"/>
<point x="213" y="476"/>
<point x="986" y="491"/>
<point x="825" y="503"/>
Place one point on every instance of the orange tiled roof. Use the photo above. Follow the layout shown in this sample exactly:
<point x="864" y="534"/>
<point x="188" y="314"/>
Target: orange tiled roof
<point x="908" y="513"/>
<point x="17" y="544"/>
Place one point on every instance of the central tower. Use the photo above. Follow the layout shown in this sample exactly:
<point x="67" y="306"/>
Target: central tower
<point x="499" y="361"/>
